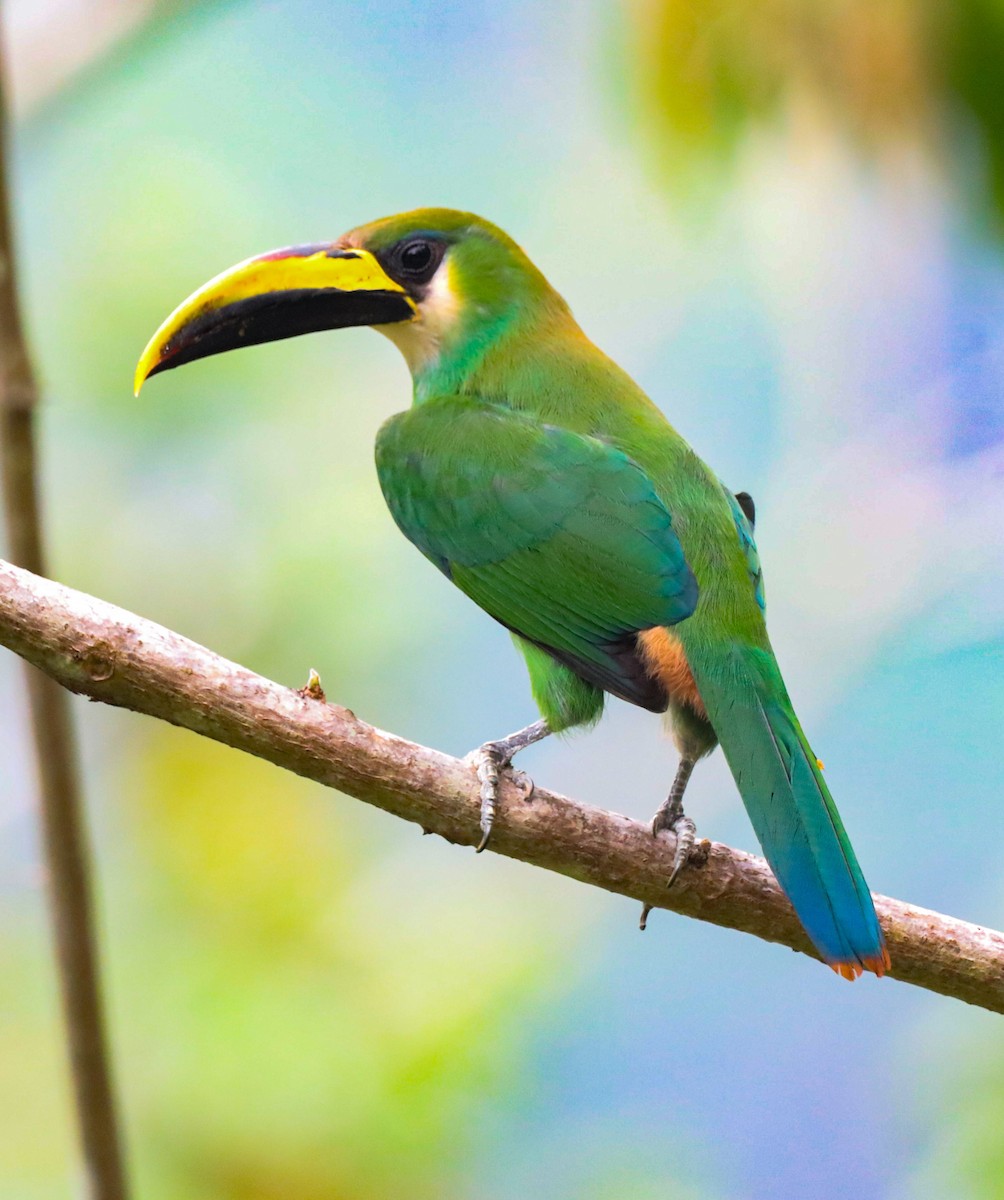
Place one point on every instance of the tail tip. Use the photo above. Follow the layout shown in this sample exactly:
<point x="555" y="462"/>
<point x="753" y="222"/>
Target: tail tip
<point x="852" y="969"/>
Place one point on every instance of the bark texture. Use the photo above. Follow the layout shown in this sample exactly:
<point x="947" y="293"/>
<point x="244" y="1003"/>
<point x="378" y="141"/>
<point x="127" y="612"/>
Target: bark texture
<point x="113" y="656"/>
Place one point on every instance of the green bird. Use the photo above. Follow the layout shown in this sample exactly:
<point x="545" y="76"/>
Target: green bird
<point x="540" y="479"/>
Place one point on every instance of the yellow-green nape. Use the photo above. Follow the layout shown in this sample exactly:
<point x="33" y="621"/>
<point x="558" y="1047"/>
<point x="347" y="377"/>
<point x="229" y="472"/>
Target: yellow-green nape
<point x="451" y="224"/>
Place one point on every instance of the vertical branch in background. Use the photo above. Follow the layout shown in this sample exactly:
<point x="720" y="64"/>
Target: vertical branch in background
<point x="64" y="835"/>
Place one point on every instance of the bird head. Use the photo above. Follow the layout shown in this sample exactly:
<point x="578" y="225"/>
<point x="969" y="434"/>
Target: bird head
<point x="435" y="281"/>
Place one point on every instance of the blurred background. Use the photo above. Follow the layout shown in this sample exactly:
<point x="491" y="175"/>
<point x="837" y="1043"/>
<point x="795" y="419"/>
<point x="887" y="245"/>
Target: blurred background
<point x="784" y="219"/>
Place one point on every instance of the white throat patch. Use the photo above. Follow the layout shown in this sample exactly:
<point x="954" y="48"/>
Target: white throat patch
<point x="419" y="340"/>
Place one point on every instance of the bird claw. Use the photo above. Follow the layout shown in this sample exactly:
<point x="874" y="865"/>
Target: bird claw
<point x="491" y="759"/>
<point x="490" y="763"/>
<point x="522" y="781"/>
<point x="686" y="835"/>
<point x="672" y="817"/>
<point x="685" y="831"/>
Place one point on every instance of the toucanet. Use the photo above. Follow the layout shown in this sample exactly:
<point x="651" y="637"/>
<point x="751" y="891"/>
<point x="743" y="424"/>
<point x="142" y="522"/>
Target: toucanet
<point x="540" y="479"/>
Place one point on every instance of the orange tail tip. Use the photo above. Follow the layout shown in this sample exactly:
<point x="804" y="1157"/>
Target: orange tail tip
<point x="878" y="964"/>
<point x="847" y="970"/>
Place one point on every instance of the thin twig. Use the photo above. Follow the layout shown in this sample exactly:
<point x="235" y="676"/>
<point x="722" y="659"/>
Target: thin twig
<point x="62" y="826"/>
<point x="112" y="655"/>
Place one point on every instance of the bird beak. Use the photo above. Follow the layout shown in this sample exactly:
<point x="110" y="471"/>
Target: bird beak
<point x="301" y="289"/>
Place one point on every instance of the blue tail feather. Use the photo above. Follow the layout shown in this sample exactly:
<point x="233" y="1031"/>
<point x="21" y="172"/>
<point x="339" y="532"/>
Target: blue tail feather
<point x="793" y="814"/>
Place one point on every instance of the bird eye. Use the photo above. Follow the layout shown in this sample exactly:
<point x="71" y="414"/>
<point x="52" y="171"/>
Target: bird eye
<point x="416" y="260"/>
<point x="416" y="256"/>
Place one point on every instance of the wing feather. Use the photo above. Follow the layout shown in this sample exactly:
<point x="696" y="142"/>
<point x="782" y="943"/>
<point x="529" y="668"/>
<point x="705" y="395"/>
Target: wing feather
<point x="558" y="535"/>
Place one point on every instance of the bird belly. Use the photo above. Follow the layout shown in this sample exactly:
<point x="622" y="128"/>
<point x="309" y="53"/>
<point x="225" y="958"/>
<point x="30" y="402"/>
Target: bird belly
<point x="666" y="662"/>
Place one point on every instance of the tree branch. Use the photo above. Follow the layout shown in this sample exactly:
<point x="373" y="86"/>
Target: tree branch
<point x="63" y="833"/>
<point x="111" y="655"/>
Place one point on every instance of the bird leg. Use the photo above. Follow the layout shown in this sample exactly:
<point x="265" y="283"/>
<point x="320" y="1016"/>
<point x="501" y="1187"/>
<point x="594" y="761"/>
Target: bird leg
<point x="491" y="759"/>
<point x="672" y="817"/>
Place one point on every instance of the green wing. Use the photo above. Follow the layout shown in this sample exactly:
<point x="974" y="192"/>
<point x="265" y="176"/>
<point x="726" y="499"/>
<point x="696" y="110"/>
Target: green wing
<point x="557" y="535"/>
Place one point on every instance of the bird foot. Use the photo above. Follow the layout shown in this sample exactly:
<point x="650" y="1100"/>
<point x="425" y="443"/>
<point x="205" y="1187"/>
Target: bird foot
<point x="491" y="760"/>
<point x="672" y="817"/>
<point x="522" y="781"/>
<point x="685" y="831"/>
